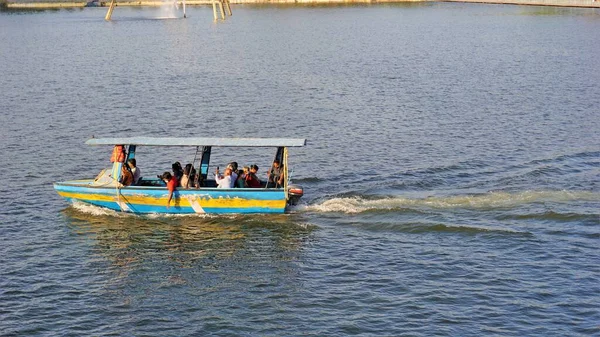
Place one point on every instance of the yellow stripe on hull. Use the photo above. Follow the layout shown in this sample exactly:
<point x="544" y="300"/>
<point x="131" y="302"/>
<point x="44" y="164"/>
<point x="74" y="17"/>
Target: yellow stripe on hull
<point x="182" y="200"/>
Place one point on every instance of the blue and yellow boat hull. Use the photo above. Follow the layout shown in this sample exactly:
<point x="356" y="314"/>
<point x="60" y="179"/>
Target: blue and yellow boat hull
<point x="153" y="199"/>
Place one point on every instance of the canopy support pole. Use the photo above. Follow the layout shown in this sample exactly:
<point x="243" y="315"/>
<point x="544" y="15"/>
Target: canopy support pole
<point x="131" y="153"/>
<point x="204" y="162"/>
<point x="285" y="173"/>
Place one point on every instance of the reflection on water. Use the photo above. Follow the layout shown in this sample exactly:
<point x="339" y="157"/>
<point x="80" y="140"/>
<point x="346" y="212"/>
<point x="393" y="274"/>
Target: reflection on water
<point x="451" y="166"/>
<point x="128" y="240"/>
<point x="143" y="259"/>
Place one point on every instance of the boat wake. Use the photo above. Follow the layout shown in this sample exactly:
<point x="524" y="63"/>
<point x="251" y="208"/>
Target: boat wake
<point x="101" y="211"/>
<point x="360" y="204"/>
<point x="94" y="210"/>
<point x="487" y="201"/>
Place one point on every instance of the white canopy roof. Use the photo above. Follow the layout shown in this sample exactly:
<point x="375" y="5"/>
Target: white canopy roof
<point x="192" y="141"/>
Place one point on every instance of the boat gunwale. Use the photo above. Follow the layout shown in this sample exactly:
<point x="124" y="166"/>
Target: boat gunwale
<point x="81" y="184"/>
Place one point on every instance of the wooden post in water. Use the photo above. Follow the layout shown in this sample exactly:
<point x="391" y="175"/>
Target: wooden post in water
<point x="222" y="10"/>
<point x="228" y="7"/>
<point x="215" y="9"/>
<point x="110" y="10"/>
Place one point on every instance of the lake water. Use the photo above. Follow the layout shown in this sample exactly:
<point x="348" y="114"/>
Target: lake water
<point x="452" y="171"/>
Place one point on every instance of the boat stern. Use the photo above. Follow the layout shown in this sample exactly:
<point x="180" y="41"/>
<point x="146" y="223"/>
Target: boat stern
<point x="295" y="192"/>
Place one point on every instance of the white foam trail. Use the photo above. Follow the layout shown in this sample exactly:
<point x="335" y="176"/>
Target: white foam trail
<point x="100" y="211"/>
<point x="490" y="200"/>
<point x="93" y="210"/>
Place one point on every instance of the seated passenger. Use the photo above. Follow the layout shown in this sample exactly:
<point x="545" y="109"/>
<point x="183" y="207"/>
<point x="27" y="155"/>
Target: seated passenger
<point x="241" y="180"/>
<point x="224" y="181"/>
<point x="126" y="176"/>
<point x="252" y="180"/>
<point x="276" y="175"/>
<point x="134" y="170"/>
<point x="177" y="170"/>
<point x="197" y="180"/>
<point x="187" y="179"/>
<point x="234" y="171"/>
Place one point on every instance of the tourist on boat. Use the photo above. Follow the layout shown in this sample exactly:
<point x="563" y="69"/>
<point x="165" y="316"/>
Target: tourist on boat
<point x="134" y="170"/>
<point x="198" y="179"/>
<point x="126" y="176"/>
<point x="224" y="181"/>
<point x="177" y="170"/>
<point x="234" y="172"/>
<point x="187" y="179"/>
<point x="241" y="180"/>
<point x="276" y="175"/>
<point x="172" y="184"/>
<point x="252" y="180"/>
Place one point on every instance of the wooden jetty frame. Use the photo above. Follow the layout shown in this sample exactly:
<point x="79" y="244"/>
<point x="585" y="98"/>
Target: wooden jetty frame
<point x="223" y="5"/>
<point x="52" y="4"/>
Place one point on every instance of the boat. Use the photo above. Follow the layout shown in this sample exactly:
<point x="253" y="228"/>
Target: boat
<point x="150" y="195"/>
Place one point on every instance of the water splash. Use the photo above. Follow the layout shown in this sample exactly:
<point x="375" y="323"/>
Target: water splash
<point x="168" y="10"/>
<point x="101" y="211"/>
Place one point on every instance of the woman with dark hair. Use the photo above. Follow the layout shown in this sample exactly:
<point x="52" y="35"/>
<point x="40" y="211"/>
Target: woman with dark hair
<point x="241" y="180"/>
<point x="126" y="176"/>
<point x="177" y="170"/>
<point x="252" y="180"/>
<point x="134" y="170"/>
<point x="187" y="178"/>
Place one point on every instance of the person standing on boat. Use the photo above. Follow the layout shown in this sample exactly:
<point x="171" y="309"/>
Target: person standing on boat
<point x="134" y="170"/>
<point x="172" y="183"/>
<point x="276" y="175"/>
<point x="224" y="181"/>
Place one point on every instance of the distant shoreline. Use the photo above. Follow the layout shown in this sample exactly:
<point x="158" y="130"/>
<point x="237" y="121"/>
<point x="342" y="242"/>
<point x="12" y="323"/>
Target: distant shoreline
<point x="80" y="4"/>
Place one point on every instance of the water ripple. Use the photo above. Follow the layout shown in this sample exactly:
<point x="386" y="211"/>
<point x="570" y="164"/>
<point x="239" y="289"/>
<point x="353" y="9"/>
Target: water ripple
<point x="451" y="171"/>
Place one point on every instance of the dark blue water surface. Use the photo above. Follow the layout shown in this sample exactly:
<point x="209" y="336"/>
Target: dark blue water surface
<point x="452" y="171"/>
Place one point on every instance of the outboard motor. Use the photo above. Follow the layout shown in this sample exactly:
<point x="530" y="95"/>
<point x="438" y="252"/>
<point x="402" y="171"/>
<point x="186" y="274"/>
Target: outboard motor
<point x="295" y="192"/>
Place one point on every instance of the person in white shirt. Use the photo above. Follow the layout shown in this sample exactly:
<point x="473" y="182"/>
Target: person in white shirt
<point x="224" y="181"/>
<point x="234" y="174"/>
